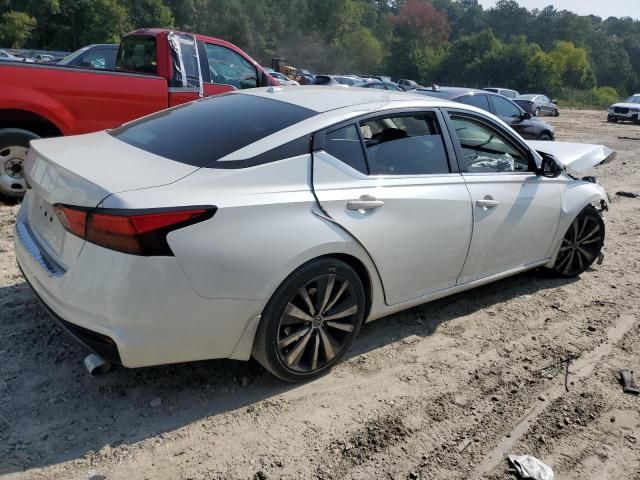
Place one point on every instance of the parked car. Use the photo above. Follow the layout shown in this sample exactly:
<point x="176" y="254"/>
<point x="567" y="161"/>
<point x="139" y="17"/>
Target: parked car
<point x="282" y="79"/>
<point x="627" y="110"/>
<point x="42" y="57"/>
<point x="380" y="85"/>
<point x="155" y="69"/>
<point x="537" y="105"/>
<point x="508" y="111"/>
<point x="4" y="55"/>
<point x="505" y="92"/>
<point x="334" y="80"/>
<point x="408" y="84"/>
<point x="101" y="56"/>
<point x="274" y="224"/>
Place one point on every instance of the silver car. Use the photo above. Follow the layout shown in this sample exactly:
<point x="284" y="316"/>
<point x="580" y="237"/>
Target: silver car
<point x="274" y="222"/>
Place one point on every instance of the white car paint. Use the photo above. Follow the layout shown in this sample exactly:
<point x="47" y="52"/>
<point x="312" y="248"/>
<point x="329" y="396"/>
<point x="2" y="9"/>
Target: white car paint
<point x="577" y="157"/>
<point x="429" y="240"/>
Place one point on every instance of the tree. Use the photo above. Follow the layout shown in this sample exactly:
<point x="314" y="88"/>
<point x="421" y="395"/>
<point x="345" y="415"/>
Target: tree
<point x="16" y="28"/>
<point x="149" y="13"/>
<point x="572" y="65"/>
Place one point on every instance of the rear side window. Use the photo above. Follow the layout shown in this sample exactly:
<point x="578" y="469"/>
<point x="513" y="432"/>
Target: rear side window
<point x="479" y="101"/>
<point x="504" y="108"/>
<point x="344" y="144"/>
<point x="202" y="132"/>
<point x="138" y="54"/>
<point x="405" y="145"/>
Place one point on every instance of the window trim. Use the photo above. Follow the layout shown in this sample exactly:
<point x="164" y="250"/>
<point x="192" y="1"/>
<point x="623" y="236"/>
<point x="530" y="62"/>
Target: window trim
<point x="319" y="140"/>
<point x="516" y="142"/>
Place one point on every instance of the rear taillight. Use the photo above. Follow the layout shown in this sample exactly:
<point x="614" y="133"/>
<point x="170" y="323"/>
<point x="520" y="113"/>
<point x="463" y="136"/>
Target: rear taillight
<point x="136" y="232"/>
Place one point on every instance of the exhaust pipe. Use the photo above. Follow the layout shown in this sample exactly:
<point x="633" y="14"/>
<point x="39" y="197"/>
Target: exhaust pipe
<point x="96" y="365"/>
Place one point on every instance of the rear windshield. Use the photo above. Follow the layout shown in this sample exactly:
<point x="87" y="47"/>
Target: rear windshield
<point x="200" y="133"/>
<point x="137" y="54"/>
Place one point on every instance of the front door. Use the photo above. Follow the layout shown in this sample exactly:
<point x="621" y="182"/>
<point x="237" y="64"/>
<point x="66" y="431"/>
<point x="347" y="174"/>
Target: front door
<point x="511" y="115"/>
<point x="389" y="183"/>
<point x="516" y="213"/>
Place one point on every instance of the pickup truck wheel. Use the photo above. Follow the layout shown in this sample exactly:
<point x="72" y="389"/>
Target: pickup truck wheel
<point x="14" y="145"/>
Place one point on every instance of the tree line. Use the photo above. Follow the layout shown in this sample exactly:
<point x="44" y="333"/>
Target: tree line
<point x="431" y="41"/>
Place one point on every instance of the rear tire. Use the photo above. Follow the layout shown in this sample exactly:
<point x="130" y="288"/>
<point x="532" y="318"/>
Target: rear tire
<point x="310" y="321"/>
<point x="14" y="145"/>
<point x="544" y="136"/>
<point x="581" y="244"/>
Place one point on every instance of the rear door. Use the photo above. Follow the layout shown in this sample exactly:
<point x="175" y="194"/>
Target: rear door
<point x="511" y="115"/>
<point x="391" y="182"/>
<point x="516" y="212"/>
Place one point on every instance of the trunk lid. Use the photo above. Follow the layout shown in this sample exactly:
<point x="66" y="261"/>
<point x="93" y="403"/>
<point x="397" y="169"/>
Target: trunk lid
<point x="577" y="157"/>
<point x="82" y="171"/>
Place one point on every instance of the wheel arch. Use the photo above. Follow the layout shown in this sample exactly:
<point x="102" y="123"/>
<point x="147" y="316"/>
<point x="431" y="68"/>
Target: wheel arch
<point x="576" y="198"/>
<point x="30" y="121"/>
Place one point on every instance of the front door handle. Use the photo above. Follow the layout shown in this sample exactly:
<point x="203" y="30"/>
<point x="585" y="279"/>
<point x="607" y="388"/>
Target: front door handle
<point x="486" y="203"/>
<point x="365" y="202"/>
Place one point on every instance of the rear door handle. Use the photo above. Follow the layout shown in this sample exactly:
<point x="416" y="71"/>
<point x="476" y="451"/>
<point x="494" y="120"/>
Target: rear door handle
<point x="365" y="202"/>
<point x="487" y="203"/>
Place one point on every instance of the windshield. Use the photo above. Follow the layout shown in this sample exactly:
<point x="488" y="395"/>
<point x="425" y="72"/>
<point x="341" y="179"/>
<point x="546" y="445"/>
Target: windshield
<point x="202" y="132"/>
<point x="633" y="99"/>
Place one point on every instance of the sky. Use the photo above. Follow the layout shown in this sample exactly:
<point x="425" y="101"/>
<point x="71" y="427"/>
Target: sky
<point x="601" y="8"/>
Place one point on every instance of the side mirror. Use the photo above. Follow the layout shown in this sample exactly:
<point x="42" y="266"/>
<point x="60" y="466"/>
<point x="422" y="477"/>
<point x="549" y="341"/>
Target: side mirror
<point x="549" y="167"/>
<point x="526" y="116"/>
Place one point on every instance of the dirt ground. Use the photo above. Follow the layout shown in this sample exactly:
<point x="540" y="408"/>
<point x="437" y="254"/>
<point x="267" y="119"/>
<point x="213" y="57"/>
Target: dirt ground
<point x="444" y="391"/>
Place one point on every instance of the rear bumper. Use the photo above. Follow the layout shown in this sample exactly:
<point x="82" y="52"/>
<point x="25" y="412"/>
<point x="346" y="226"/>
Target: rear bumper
<point x="137" y="311"/>
<point x="100" y="344"/>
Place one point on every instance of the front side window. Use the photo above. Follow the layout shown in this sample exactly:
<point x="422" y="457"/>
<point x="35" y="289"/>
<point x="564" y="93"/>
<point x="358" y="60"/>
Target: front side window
<point x="230" y="68"/>
<point x="138" y="54"/>
<point x="486" y="150"/>
<point x="504" y="108"/>
<point x="479" y="101"/>
<point x="344" y="144"/>
<point x="405" y="145"/>
<point x="202" y="132"/>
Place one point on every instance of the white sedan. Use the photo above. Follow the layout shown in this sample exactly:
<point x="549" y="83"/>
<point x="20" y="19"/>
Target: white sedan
<point x="273" y="223"/>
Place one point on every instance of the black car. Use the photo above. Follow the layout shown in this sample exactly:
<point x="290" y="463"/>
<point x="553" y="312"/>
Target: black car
<point x="537" y="104"/>
<point x="380" y="86"/>
<point x="100" y="56"/>
<point x="508" y="111"/>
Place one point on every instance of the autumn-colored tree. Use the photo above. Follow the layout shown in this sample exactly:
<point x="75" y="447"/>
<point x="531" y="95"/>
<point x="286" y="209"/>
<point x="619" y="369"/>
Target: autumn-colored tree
<point x="419" y="20"/>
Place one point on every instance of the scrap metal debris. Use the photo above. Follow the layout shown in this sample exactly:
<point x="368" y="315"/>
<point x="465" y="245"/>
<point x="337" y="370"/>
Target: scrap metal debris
<point x="528" y="467"/>
<point x="628" y="385"/>
<point x="555" y="368"/>
<point x="628" y="194"/>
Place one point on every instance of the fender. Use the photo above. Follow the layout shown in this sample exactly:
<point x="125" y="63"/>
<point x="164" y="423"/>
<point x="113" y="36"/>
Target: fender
<point x="578" y="195"/>
<point x="35" y="101"/>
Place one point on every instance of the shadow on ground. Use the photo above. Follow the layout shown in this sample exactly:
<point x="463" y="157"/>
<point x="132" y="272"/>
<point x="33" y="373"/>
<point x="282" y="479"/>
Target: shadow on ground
<point x="52" y="411"/>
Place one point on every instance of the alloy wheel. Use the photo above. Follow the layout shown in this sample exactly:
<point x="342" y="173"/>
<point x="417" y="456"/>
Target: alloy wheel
<point x="580" y="246"/>
<point x="317" y="323"/>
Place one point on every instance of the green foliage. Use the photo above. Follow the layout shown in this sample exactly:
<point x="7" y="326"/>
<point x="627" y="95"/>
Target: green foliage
<point x="597" y="97"/>
<point x="16" y="28"/>
<point x="442" y="41"/>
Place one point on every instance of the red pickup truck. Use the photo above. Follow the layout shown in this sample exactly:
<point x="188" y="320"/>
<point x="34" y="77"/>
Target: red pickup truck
<point x="155" y="69"/>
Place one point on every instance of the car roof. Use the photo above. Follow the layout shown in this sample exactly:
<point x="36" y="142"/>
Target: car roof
<point x="323" y="99"/>
<point x="453" y="91"/>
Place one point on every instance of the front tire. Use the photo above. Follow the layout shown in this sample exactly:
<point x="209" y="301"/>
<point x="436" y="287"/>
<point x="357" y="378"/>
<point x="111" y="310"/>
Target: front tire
<point x="536" y="112"/>
<point x="556" y="112"/>
<point x="14" y="146"/>
<point x="581" y="244"/>
<point x="310" y="321"/>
